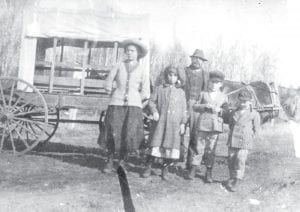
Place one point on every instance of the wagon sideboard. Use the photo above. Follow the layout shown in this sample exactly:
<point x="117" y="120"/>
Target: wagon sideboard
<point x="68" y="61"/>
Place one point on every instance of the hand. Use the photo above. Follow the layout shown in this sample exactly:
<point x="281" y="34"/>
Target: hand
<point x="108" y="90"/>
<point x="155" y="116"/>
<point x="217" y="109"/>
<point x="182" y="129"/>
<point x="210" y="106"/>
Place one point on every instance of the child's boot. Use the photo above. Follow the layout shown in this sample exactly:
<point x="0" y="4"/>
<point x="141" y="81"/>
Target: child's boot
<point x="235" y="185"/>
<point x="192" y="172"/>
<point x="109" y="164"/>
<point x="165" y="169"/>
<point x="165" y="172"/>
<point x="208" y="175"/>
<point x="148" y="170"/>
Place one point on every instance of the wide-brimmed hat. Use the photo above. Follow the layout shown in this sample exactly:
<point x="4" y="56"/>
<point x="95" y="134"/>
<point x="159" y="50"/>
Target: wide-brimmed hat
<point x="142" y="47"/>
<point x="245" y="95"/>
<point x="199" y="53"/>
<point x="217" y="75"/>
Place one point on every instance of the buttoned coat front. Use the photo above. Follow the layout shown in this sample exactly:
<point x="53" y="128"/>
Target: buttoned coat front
<point x="208" y="118"/>
<point x="170" y="102"/>
<point x="243" y="126"/>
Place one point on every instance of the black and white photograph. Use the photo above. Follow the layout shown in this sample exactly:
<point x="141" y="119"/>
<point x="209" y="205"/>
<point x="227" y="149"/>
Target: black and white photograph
<point x="149" y="105"/>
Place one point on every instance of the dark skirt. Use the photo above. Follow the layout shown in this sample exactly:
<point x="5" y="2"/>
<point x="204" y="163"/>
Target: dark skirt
<point x="124" y="128"/>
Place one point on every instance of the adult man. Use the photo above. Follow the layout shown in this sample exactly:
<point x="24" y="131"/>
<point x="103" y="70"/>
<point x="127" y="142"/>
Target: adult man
<point x="196" y="80"/>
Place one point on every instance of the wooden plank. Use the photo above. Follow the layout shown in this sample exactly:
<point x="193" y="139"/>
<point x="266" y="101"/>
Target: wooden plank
<point x="62" y="50"/>
<point x="85" y="102"/>
<point x="84" y="66"/>
<point x="70" y="66"/>
<point x="99" y="102"/>
<point x="51" y="79"/>
<point x="115" y="53"/>
<point x="106" y="56"/>
<point x="69" y="82"/>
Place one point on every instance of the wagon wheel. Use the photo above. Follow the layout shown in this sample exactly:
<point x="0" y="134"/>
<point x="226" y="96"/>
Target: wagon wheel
<point x="53" y="122"/>
<point x="23" y="116"/>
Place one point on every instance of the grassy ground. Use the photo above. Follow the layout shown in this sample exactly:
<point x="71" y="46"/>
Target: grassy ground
<point x="65" y="175"/>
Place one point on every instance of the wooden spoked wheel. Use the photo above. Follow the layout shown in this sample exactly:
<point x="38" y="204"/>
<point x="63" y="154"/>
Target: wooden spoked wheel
<point x="24" y="116"/>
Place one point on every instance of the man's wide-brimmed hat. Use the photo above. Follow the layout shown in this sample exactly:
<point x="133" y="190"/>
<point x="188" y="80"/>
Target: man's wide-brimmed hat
<point x="199" y="54"/>
<point x="245" y="95"/>
<point x="217" y="75"/>
<point x="142" y="47"/>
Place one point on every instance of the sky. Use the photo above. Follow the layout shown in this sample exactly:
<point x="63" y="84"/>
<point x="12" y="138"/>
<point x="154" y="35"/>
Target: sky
<point x="272" y="26"/>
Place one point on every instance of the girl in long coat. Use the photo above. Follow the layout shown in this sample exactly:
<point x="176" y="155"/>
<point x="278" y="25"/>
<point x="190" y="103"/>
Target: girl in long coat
<point x="168" y="107"/>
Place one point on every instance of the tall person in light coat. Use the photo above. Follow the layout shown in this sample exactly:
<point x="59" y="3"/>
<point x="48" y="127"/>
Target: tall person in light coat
<point x="128" y="84"/>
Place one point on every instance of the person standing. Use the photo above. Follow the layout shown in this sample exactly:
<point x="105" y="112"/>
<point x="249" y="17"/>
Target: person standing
<point x="195" y="81"/>
<point x="128" y="84"/>
<point x="209" y="125"/>
<point x="244" y="124"/>
<point x="168" y="107"/>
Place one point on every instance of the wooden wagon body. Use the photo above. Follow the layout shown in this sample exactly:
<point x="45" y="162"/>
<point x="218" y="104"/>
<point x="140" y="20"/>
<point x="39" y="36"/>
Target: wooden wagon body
<point x="66" y="54"/>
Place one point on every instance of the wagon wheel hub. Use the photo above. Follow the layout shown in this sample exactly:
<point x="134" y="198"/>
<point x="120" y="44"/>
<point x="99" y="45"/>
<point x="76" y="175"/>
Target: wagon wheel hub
<point x="3" y="118"/>
<point x="7" y="117"/>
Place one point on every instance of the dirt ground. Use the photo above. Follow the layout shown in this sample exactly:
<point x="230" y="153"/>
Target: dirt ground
<point x="65" y="175"/>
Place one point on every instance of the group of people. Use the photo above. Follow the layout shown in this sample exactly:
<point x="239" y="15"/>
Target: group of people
<point x="193" y="98"/>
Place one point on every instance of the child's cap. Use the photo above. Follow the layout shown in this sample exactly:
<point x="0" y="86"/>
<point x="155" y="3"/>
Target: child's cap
<point x="217" y="76"/>
<point x="245" y="95"/>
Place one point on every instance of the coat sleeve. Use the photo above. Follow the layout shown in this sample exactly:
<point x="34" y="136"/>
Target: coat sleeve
<point x="145" y="86"/>
<point x="256" y="123"/>
<point x="186" y="84"/>
<point x="108" y="86"/>
<point x="153" y="101"/>
<point x="205" y="80"/>
<point x="199" y="106"/>
<point x="184" y="110"/>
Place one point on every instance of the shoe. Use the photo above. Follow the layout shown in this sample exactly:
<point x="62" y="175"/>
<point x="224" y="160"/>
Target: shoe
<point x="147" y="171"/>
<point x="235" y="185"/>
<point x="208" y="176"/>
<point x="109" y="166"/>
<point x="192" y="173"/>
<point x="165" y="173"/>
<point x="229" y="182"/>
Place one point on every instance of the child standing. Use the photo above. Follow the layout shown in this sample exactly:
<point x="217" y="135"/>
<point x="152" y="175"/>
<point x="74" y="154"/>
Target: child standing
<point x="244" y="123"/>
<point x="209" y="125"/>
<point x="168" y="107"/>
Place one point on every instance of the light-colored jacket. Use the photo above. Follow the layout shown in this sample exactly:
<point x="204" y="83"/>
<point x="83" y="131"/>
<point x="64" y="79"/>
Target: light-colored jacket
<point x="130" y="88"/>
<point x="210" y="120"/>
<point x="243" y="126"/>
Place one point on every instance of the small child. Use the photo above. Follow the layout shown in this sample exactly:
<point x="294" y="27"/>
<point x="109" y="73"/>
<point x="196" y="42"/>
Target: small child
<point x="244" y="123"/>
<point x="209" y="125"/>
<point x="168" y="107"/>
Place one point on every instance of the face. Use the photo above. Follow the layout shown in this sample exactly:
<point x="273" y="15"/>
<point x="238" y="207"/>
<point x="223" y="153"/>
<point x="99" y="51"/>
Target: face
<point x="131" y="52"/>
<point x="172" y="78"/>
<point x="215" y="85"/>
<point x="196" y="62"/>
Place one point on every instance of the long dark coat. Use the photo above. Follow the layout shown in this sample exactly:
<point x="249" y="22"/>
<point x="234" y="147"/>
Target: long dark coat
<point x="170" y="102"/>
<point x="243" y="127"/>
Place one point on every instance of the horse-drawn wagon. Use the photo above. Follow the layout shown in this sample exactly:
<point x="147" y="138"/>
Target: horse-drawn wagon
<point x="65" y="56"/>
